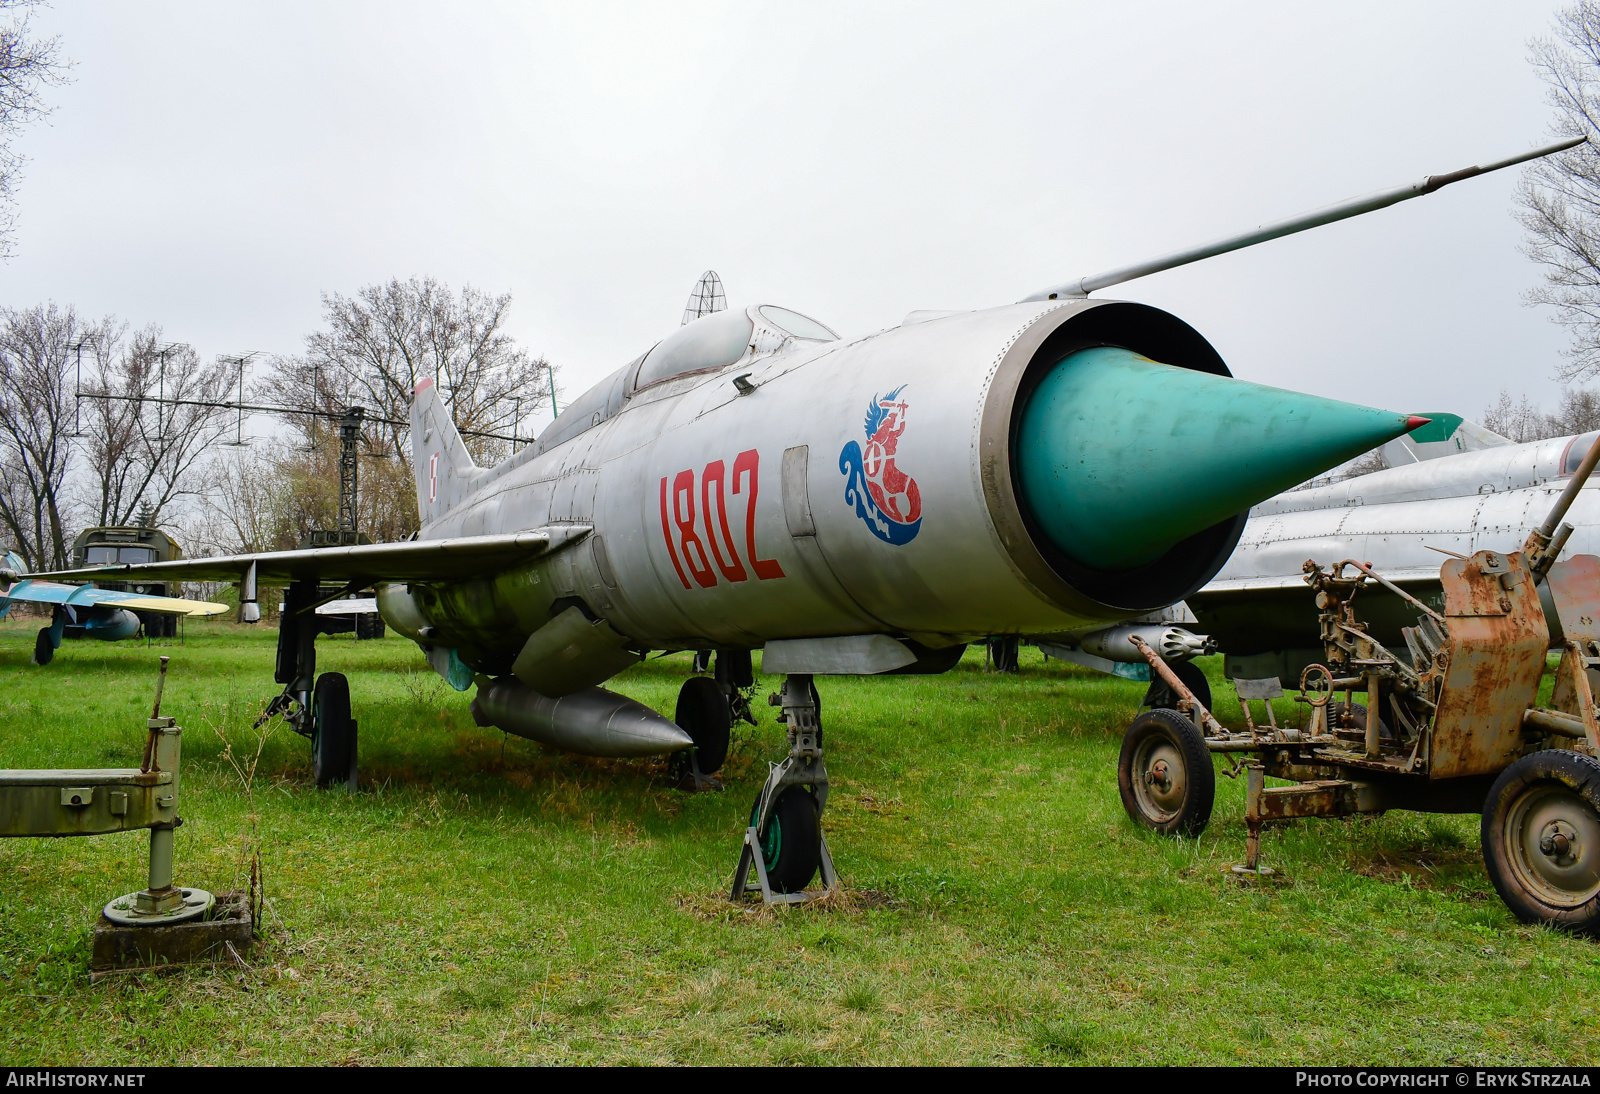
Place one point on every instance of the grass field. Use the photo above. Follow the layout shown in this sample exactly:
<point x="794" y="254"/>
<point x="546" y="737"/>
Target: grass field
<point x="483" y="900"/>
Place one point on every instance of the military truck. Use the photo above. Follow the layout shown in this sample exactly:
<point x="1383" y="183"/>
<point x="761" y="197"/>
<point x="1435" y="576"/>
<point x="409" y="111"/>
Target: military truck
<point x="138" y="545"/>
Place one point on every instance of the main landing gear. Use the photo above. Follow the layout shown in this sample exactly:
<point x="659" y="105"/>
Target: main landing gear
<point x="315" y="706"/>
<point x="784" y="843"/>
<point x="707" y="708"/>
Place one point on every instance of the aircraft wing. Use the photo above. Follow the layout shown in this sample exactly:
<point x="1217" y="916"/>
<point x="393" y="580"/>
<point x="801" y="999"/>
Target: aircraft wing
<point x="87" y="596"/>
<point x="1242" y="585"/>
<point x="413" y="560"/>
<point x="353" y="606"/>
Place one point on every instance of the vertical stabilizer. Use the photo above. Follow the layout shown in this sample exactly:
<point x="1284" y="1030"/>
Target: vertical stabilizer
<point x="445" y="471"/>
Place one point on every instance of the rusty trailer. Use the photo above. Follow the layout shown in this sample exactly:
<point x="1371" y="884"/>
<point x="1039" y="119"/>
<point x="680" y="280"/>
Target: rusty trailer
<point x="1450" y="724"/>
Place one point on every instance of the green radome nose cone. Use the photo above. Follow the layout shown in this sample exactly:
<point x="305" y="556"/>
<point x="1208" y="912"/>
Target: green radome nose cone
<point x="1119" y="458"/>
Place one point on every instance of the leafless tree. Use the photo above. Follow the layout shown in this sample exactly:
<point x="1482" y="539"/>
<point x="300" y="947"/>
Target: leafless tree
<point x="36" y="403"/>
<point x="382" y="342"/>
<point x="1577" y="412"/>
<point x="27" y="66"/>
<point x="271" y="498"/>
<point x="1559" y="198"/>
<point x="1518" y="421"/>
<point x="147" y="426"/>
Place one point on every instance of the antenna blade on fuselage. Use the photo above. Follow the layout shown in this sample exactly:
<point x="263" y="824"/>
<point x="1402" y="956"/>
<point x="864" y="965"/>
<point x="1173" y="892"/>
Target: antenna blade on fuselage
<point x="1343" y="210"/>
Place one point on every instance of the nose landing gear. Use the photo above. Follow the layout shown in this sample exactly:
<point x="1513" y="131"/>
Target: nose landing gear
<point x="784" y="843"/>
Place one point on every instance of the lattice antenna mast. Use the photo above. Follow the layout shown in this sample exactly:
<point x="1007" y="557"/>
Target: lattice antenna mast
<point x="240" y="359"/>
<point x="706" y="298"/>
<point x="349" y="469"/>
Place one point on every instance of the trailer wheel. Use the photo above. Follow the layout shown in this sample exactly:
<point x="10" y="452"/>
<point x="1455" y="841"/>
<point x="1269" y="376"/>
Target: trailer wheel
<point x="1541" y="839"/>
<point x="1165" y="775"/>
<point x="1161" y="697"/>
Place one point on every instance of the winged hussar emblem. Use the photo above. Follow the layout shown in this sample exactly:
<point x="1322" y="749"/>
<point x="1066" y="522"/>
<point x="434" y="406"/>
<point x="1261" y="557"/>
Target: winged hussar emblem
<point x="885" y="497"/>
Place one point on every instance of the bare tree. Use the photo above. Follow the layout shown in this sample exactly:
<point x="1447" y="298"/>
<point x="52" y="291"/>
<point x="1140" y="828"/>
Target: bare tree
<point x="151" y="414"/>
<point x="273" y="497"/>
<point x="1517" y="422"/>
<point x="1559" y="197"/>
<point x="248" y="503"/>
<point x="36" y="391"/>
<point x="382" y="342"/>
<point x="1577" y="412"/>
<point x="27" y="66"/>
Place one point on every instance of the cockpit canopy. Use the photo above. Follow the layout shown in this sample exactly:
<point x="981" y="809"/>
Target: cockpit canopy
<point x="712" y="341"/>
<point x="706" y="344"/>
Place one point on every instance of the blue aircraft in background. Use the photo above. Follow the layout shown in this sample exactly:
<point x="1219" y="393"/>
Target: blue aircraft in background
<point x="83" y="611"/>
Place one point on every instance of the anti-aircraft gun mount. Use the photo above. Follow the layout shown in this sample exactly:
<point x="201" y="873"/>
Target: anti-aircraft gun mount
<point x="1450" y="725"/>
<point x="163" y="923"/>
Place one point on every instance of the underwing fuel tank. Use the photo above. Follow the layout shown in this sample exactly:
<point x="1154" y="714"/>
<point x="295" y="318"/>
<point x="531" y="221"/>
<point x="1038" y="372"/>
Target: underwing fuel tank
<point x="592" y="722"/>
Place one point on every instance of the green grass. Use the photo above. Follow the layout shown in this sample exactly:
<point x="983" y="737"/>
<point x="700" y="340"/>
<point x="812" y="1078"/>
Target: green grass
<point x="483" y="900"/>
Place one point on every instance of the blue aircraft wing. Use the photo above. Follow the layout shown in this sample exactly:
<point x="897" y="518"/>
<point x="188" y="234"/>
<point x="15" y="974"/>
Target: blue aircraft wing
<point x="87" y="596"/>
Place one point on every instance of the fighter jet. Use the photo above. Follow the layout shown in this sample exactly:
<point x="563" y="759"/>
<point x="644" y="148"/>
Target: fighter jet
<point x="1465" y="490"/>
<point x="83" y="611"/>
<point x="861" y="506"/>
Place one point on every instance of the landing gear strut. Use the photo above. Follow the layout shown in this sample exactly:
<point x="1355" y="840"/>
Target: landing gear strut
<point x="784" y="842"/>
<point x="318" y="708"/>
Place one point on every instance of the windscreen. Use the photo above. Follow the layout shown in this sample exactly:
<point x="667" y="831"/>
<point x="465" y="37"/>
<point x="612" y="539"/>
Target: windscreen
<point x="801" y="326"/>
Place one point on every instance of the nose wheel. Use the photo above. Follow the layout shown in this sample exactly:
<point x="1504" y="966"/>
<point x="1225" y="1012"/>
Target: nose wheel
<point x="1541" y="839"/>
<point x="783" y="844"/>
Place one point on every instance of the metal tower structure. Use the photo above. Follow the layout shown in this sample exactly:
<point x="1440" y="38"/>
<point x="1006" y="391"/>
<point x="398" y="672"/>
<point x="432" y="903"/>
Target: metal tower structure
<point x="706" y="298"/>
<point x="349" y="470"/>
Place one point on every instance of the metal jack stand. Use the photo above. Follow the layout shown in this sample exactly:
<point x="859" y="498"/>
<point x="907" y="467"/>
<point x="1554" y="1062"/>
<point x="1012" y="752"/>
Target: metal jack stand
<point x="161" y="922"/>
<point x="803" y="767"/>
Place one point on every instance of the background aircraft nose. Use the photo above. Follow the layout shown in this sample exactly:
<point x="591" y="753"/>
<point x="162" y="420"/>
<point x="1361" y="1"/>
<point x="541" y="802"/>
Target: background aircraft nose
<point x="1119" y="457"/>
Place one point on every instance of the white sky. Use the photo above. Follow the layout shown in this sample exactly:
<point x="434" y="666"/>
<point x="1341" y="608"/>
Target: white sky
<point x="215" y="167"/>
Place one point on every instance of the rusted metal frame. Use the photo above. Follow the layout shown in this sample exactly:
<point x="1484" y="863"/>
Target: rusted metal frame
<point x="1391" y="586"/>
<point x="1580" y="683"/>
<point x="1558" y="722"/>
<point x="1159" y="666"/>
<point x="1399" y="666"/>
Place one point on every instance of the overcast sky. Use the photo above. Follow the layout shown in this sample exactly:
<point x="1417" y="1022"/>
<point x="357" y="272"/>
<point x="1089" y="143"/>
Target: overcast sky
<point x="214" y="167"/>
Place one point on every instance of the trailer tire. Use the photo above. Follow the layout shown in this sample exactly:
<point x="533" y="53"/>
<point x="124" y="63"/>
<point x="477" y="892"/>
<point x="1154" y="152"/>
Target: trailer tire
<point x="1541" y="839"/>
<point x="1164" y="774"/>
<point x="1161" y="697"/>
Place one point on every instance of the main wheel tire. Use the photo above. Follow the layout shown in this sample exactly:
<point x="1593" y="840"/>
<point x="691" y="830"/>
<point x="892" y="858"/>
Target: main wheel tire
<point x="1161" y="697"/>
<point x="1541" y="839"/>
<point x="331" y="735"/>
<point x="791" y="843"/>
<point x="44" y="651"/>
<point x="1165" y="775"/>
<point x="703" y="714"/>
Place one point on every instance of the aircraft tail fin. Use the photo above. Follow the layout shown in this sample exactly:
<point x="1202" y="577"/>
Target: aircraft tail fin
<point x="1444" y="435"/>
<point x="444" y="469"/>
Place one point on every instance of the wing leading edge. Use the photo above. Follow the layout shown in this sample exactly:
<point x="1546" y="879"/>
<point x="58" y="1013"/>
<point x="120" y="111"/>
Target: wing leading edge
<point x="414" y="560"/>
<point x="86" y="596"/>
